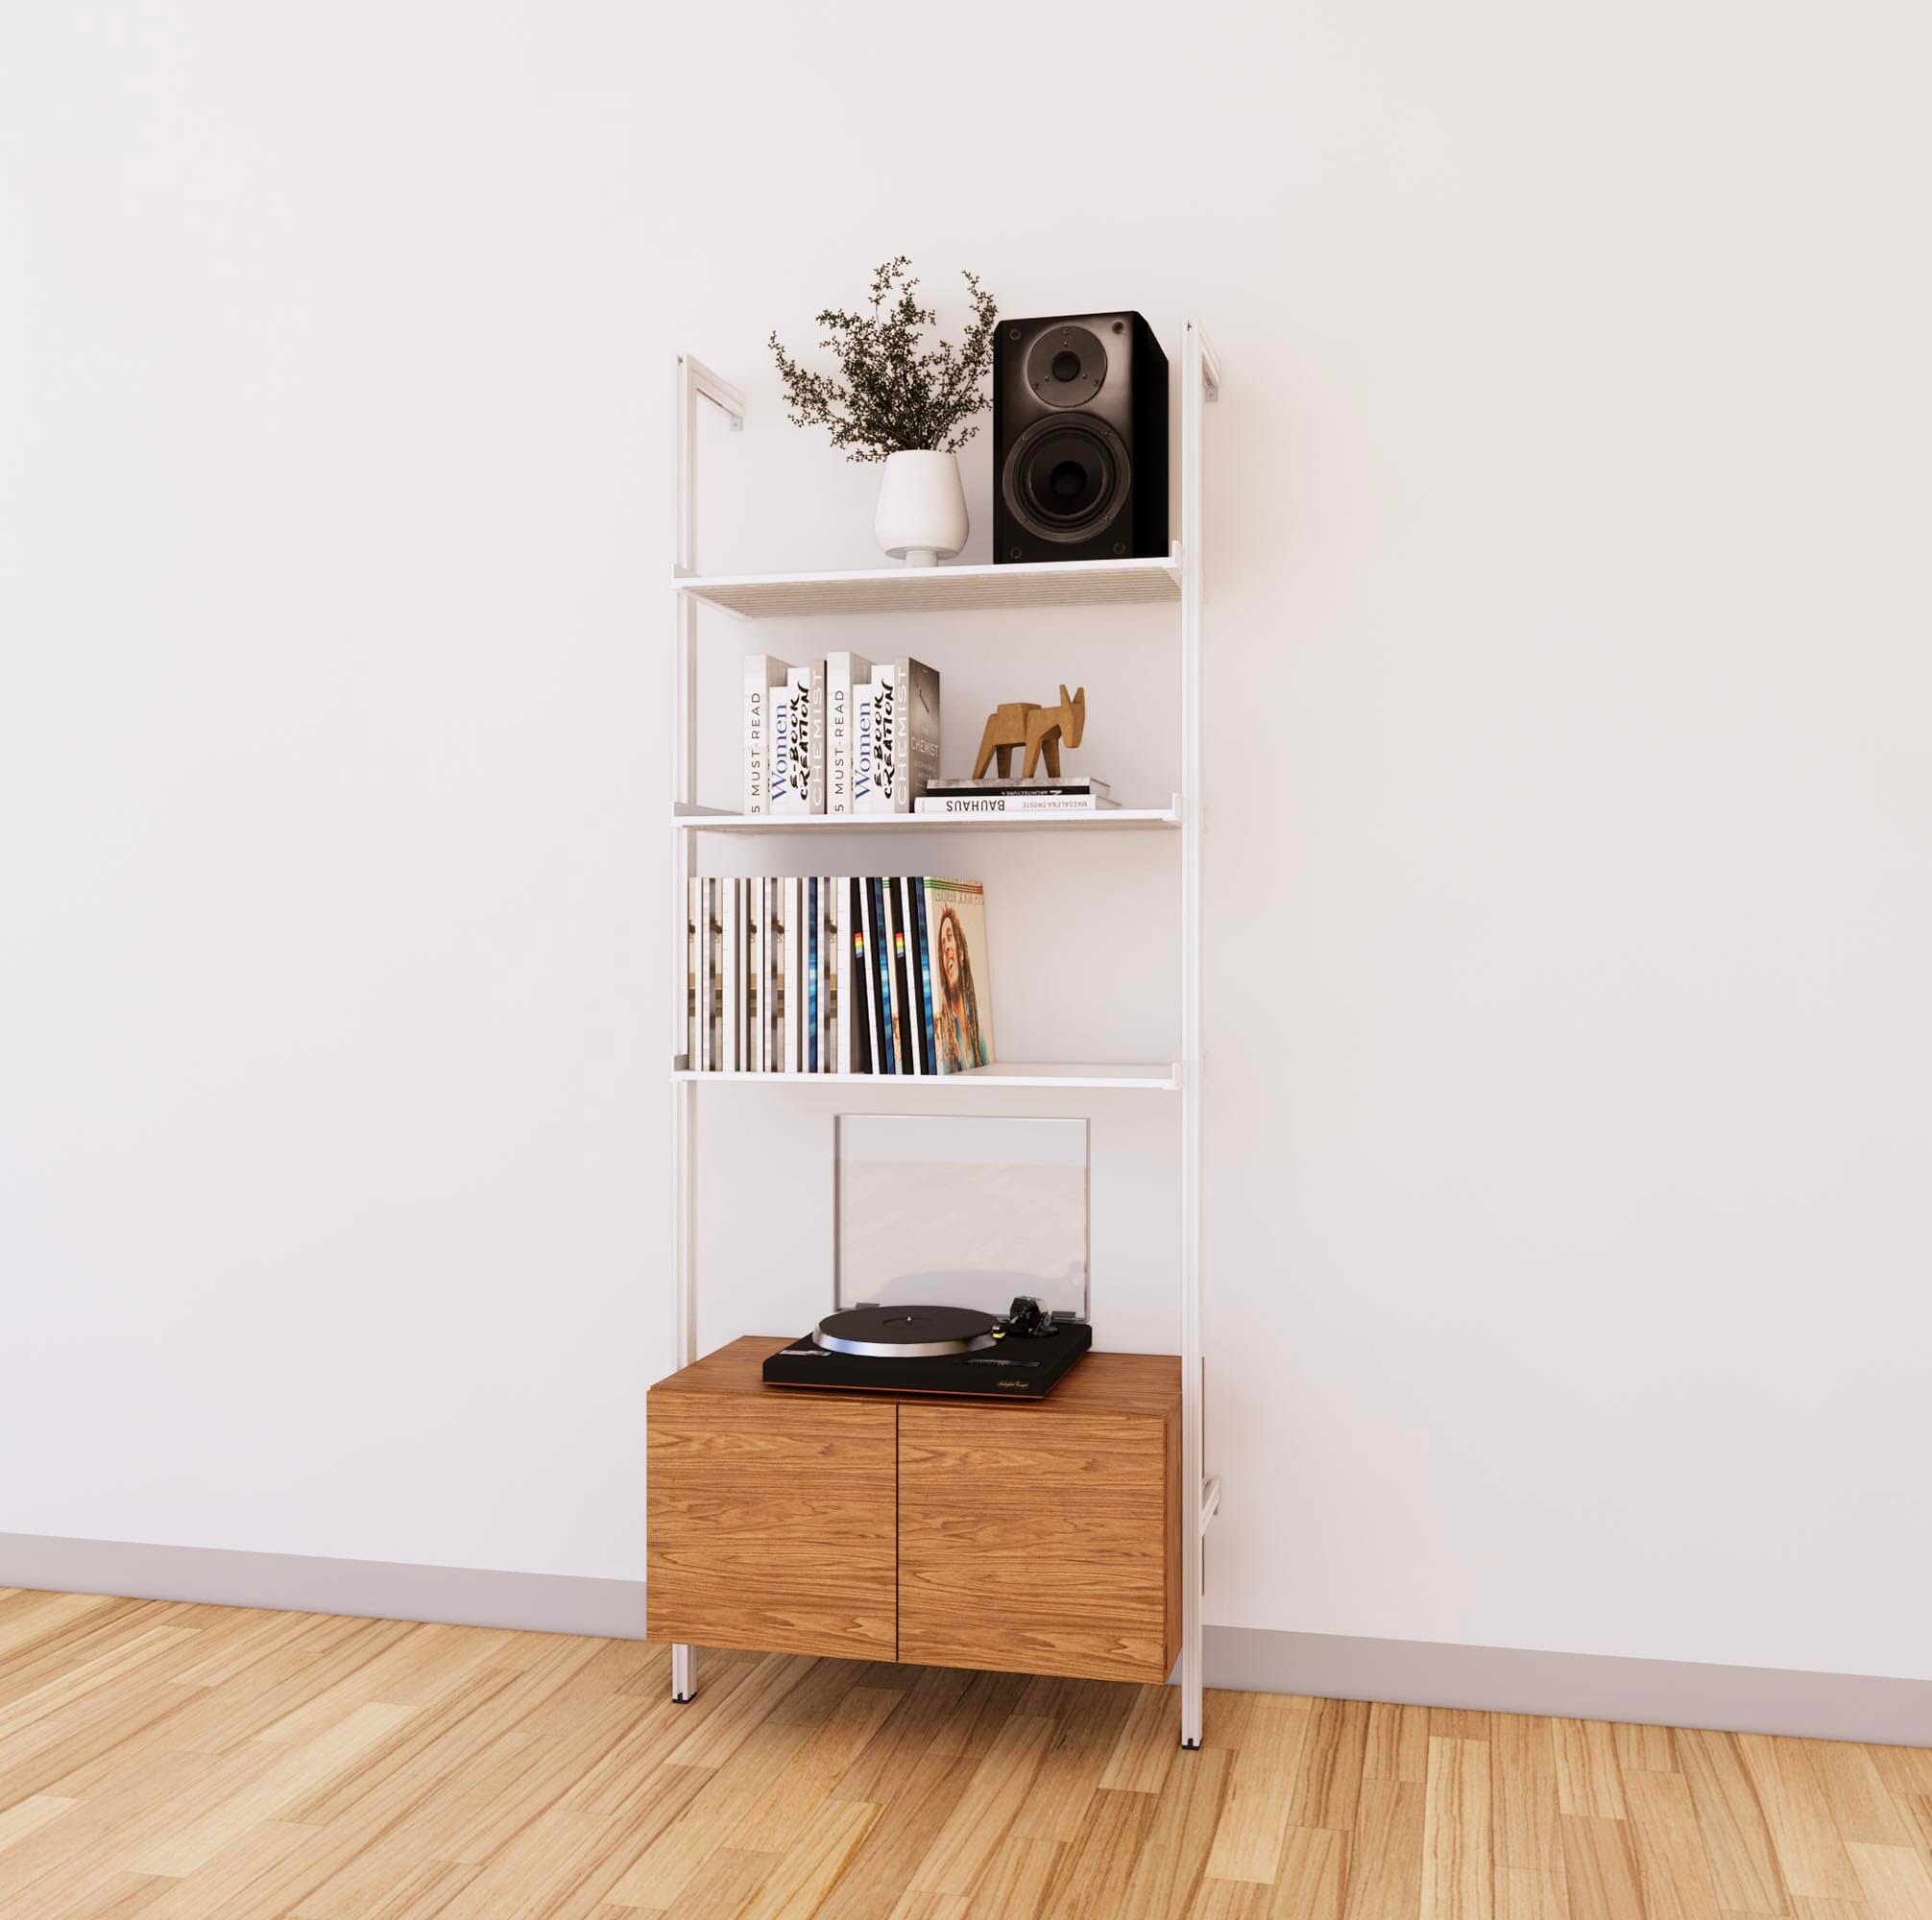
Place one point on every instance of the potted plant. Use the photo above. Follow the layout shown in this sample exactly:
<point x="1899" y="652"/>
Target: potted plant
<point x="890" y="401"/>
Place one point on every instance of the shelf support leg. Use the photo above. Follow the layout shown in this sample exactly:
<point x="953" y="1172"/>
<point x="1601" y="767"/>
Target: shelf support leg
<point x="694" y="383"/>
<point x="684" y="1672"/>
<point x="1200" y="382"/>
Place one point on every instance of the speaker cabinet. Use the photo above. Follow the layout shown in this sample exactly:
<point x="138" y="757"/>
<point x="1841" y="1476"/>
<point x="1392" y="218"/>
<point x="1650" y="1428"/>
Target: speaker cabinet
<point x="1080" y="439"/>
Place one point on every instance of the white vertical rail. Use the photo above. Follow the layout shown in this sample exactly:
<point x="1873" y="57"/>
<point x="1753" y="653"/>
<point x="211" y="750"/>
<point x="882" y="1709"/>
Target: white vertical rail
<point x="696" y="382"/>
<point x="1201" y="383"/>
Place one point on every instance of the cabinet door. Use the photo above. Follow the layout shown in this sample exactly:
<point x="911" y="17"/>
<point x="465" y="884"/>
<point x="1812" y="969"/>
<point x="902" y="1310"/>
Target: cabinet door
<point x="771" y="1520"/>
<point x="1038" y="1540"/>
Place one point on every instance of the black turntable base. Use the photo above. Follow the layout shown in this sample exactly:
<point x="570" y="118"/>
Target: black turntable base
<point x="1017" y="1356"/>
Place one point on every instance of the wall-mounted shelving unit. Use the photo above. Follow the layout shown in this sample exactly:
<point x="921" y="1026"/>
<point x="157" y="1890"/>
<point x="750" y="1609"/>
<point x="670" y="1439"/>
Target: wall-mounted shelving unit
<point x="1174" y="580"/>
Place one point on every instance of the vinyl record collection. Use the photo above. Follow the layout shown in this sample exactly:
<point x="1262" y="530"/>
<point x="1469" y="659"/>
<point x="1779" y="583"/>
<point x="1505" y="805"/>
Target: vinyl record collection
<point x="839" y="974"/>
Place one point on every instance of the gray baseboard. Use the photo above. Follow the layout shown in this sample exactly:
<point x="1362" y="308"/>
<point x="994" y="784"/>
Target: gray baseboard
<point x="303" y="1584"/>
<point x="1498" y="1679"/>
<point x="1578" y="1686"/>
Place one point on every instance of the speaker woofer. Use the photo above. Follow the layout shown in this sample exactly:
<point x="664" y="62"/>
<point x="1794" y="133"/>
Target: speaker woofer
<point x="1066" y="477"/>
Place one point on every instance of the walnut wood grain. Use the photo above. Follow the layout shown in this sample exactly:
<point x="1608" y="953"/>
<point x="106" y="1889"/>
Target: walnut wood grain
<point x="771" y="1523"/>
<point x="1044" y="1546"/>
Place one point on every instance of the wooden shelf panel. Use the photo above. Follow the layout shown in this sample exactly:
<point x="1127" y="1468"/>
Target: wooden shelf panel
<point x="1111" y="820"/>
<point x="939" y="590"/>
<point x="1154" y="1077"/>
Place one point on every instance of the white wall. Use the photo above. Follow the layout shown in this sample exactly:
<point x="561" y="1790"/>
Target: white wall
<point x="1569" y="1037"/>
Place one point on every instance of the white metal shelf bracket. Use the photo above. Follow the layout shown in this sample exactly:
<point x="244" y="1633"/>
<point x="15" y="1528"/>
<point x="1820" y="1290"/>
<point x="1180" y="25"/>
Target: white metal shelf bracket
<point x="1200" y="384"/>
<point x="696" y="382"/>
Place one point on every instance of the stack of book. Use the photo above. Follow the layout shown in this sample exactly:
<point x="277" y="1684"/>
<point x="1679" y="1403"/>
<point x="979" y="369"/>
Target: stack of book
<point x="838" y="736"/>
<point x="838" y="973"/>
<point x="966" y="798"/>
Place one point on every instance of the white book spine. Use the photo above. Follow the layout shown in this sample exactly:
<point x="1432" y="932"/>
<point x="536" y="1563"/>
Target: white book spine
<point x="871" y="742"/>
<point x="758" y="977"/>
<point x="762" y="673"/>
<point x="968" y="805"/>
<point x="772" y="1057"/>
<point x="814" y="740"/>
<point x="707" y="974"/>
<point x="708" y="959"/>
<point x="791" y="743"/>
<point x="771" y="1009"/>
<point x="793" y="999"/>
<point x="756" y="982"/>
<point x="844" y="673"/>
<point x="691" y="905"/>
<point x="840" y="1013"/>
<point x="753" y="1052"/>
<point x="821" y="1007"/>
<point x="730" y="908"/>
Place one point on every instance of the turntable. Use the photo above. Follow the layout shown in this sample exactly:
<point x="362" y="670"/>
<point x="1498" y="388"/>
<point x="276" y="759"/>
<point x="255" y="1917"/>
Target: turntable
<point x="1021" y="1354"/>
<point x="939" y="1223"/>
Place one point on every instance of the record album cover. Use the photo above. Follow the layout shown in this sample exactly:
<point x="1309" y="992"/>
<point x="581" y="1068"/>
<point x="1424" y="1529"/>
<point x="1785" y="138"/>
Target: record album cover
<point x="962" y="1005"/>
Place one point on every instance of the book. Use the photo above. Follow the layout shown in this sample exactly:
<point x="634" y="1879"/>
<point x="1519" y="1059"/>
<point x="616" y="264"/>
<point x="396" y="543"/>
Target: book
<point x="843" y="672"/>
<point x="966" y="805"/>
<point x="763" y="674"/>
<point x="915" y="731"/>
<point x="1063" y="784"/>
<point x="692" y="903"/>
<point x="897" y="728"/>
<point x="837" y="1007"/>
<point x="824" y="924"/>
<point x="791" y="988"/>
<point x="711" y="934"/>
<point x="867" y="758"/>
<point x="814" y="743"/>
<point x="861" y="1013"/>
<point x="771" y="977"/>
<point x="750" y="976"/>
<point x="906" y="1028"/>
<point x="962" y="1006"/>
<point x="797" y="729"/>
<point x="730" y="984"/>
<point x="809" y="956"/>
<point x="885" y="1050"/>
<point x="923" y="947"/>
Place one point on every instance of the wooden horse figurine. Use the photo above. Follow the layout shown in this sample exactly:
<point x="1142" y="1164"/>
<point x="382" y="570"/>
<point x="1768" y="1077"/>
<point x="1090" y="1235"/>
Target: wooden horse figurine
<point x="1035" y="730"/>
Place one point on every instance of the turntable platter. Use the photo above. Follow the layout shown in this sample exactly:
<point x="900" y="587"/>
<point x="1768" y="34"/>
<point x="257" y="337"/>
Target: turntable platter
<point x="904" y="1332"/>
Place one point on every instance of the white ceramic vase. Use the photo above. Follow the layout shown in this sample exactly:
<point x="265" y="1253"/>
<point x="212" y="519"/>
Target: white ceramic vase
<point x="921" y="508"/>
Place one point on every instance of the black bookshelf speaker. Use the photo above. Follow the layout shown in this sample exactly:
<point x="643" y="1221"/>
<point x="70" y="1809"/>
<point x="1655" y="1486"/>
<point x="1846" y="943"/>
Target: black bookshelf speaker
<point x="1080" y="439"/>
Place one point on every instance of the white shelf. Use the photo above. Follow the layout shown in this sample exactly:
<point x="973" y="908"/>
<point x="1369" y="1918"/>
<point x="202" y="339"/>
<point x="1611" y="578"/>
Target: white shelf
<point x="1155" y="1076"/>
<point x="939" y="590"/>
<point x="1114" y="820"/>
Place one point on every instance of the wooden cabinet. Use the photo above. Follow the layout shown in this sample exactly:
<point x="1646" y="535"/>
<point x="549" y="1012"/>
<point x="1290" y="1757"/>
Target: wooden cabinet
<point x="1043" y="1538"/>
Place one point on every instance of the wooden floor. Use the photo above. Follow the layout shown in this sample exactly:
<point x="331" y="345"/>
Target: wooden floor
<point x="185" y="1762"/>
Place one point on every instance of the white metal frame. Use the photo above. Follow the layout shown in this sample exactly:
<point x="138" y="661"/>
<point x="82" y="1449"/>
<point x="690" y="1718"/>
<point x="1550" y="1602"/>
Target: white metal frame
<point x="1200" y="385"/>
